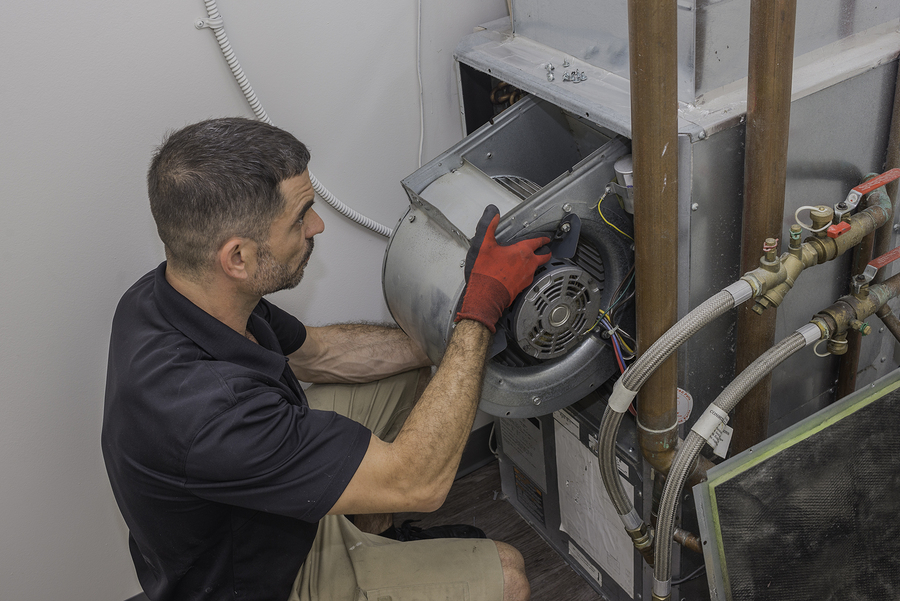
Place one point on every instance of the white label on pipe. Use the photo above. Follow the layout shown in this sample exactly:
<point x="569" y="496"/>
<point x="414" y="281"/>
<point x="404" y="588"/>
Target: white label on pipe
<point x="621" y="397"/>
<point x="685" y="405"/>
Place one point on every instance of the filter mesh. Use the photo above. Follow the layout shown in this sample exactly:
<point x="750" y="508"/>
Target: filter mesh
<point x="818" y="519"/>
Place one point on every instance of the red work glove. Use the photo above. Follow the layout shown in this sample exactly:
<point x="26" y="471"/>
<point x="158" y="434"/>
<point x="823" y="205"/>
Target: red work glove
<point x="496" y="274"/>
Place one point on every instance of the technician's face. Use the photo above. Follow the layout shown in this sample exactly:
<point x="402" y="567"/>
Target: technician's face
<point x="281" y="260"/>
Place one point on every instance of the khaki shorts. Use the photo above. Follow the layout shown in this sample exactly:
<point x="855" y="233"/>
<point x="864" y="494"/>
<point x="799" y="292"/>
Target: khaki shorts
<point x="346" y="564"/>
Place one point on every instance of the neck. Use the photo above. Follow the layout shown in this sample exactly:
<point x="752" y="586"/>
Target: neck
<point x="217" y="297"/>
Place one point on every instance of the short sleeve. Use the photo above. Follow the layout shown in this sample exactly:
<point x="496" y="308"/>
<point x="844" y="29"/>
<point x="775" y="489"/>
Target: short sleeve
<point x="267" y="454"/>
<point x="290" y="331"/>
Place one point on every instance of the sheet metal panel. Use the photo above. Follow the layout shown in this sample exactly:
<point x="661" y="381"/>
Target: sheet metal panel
<point x="832" y="145"/>
<point x="713" y="35"/>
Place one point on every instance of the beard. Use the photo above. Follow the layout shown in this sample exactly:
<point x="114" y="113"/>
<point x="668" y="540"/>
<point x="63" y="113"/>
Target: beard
<point x="272" y="276"/>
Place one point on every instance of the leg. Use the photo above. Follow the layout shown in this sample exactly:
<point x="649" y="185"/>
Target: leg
<point x="515" y="582"/>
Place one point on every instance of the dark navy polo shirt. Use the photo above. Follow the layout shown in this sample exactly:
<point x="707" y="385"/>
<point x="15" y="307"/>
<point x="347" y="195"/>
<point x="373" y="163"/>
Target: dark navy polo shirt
<point x="220" y="468"/>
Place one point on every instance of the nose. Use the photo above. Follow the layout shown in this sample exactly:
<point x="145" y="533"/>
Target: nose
<point x="314" y="223"/>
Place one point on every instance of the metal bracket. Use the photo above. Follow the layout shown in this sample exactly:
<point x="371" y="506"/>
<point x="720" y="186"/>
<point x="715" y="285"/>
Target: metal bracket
<point x="209" y="23"/>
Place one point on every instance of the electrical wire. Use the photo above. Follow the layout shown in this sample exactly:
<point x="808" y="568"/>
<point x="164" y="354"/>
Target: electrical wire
<point x="217" y="25"/>
<point x="603" y="217"/>
<point x="693" y="575"/>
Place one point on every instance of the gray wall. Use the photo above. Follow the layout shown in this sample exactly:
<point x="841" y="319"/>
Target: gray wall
<point x="86" y="90"/>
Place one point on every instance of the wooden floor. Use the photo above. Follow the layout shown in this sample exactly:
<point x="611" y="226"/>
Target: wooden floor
<point x="476" y="499"/>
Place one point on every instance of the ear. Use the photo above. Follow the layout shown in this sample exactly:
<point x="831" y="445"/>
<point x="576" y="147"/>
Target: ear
<point x="233" y="256"/>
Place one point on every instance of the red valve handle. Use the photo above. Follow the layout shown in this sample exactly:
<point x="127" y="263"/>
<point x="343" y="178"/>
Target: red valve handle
<point x="888" y="257"/>
<point x="878" y="181"/>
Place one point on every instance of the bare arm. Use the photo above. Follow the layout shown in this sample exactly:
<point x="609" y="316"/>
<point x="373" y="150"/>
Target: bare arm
<point x="354" y="353"/>
<point x="414" y="473"/>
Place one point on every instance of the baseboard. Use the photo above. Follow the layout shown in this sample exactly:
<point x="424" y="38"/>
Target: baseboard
<point x="477" y="452"/>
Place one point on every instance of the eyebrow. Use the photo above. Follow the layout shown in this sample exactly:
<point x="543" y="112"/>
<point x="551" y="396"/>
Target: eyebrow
<point x="306" y="207"/>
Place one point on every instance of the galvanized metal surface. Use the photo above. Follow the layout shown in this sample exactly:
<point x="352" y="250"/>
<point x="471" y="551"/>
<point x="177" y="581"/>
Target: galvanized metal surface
<point x="830" y="149"/>
<point x="605" y="98"/>
<point x="713" y="38"/>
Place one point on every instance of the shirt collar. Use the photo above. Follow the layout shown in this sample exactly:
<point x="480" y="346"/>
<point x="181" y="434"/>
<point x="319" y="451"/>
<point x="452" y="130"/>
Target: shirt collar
<point x="214" y="337"/>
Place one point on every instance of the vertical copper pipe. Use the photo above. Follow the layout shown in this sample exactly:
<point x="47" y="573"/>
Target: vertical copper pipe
<point x="881" y="241"/>
<point x="884" y="233"/>
<point x="768" y="120"/>
<point x="652" y="39"/>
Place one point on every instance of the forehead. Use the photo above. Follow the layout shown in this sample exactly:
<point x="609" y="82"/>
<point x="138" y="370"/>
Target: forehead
<point x="297" y="191"/>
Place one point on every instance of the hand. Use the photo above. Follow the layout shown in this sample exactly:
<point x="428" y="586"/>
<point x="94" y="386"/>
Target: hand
<point x="496" y="274"/>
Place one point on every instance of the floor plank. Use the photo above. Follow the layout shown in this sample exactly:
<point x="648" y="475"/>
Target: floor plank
<point x="476" y="499"/>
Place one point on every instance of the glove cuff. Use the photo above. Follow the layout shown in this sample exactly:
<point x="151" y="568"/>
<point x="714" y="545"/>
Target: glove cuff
<point x="484" y="301"/>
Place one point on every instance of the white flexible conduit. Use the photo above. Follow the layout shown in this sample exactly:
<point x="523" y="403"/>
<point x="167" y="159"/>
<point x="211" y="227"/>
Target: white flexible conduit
<point x="215" y="23"/>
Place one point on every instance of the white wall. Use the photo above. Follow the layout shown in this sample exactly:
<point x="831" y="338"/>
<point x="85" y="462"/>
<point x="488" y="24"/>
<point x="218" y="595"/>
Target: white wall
<point x="86" y="90"/>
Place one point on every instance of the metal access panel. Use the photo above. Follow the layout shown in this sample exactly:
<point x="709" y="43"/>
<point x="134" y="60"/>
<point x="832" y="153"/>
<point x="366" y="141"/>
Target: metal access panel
<point x="549" y="472"/>
<point x="812" y="512"/>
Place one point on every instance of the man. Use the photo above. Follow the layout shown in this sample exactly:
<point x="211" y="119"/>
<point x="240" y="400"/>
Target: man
<point x="232" y="483"/>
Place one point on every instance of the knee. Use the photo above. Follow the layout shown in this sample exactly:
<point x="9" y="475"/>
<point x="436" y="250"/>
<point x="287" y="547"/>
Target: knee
<point x="515" y="581"/>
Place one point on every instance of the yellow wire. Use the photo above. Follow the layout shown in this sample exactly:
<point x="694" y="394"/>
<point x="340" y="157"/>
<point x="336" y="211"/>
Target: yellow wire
<point x="607" y="222"/>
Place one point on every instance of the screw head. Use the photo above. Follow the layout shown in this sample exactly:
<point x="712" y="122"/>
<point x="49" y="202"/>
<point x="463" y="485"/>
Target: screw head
<point x="412" y="218"/>
<point x="897" y="227"/>
<point x="536" y="400"/>
<point x="567" y="208"/>
<point x="462" y="263"/>
<point x="695" y="206"/>
<point x="550" y="76"/>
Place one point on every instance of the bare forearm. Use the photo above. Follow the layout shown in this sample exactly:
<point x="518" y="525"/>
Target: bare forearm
<point x="352" y="353"/>
<point x="435" y="434"/>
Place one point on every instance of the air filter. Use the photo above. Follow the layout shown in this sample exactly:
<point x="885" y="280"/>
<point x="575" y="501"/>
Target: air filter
<point x="811" y="513"/>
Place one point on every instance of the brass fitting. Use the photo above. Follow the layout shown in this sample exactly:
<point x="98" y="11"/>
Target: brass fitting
<point x="861" y="327"/>
<point x="837" y="344"/>
<point x="775" y="279"/>
<point x="656" y="597"/>
<point x="821" y="216"/>
<point x="643" y="542"/>
<point x="851" y="311"/>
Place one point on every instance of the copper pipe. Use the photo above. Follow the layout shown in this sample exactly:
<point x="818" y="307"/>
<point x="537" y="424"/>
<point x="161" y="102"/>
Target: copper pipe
<point x="765" y="173"/>
<point x="652" y="39"/>
<point x="688" y="540"/>
<point x="883" y="237"/>
<point x="849" y="362"/>
<point x="889" y="320"/>
<point x="881" y="241"/>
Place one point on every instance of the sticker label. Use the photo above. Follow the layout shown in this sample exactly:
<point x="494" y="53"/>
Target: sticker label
<point x="685" y="405"/>
<point x="576" y="554"/>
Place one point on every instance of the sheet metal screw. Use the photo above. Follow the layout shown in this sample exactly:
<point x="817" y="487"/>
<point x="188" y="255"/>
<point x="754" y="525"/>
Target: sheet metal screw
<point x="536" y="400"/>
<point x="695" y="206"/>
<point x="565" y="63"/>
<point x="567" y="208"/>
<point x="412" y="218"/>
<point x="550" y="76"/>
<point x="462" y="263"/>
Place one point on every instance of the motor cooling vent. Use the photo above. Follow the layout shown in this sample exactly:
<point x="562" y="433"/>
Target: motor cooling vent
<point x="557" y="310"/>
